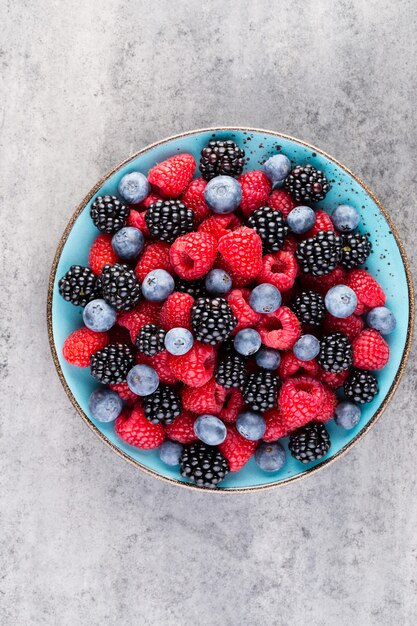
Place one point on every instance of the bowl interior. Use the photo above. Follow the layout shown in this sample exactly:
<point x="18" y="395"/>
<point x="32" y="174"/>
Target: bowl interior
<point x="386" y="264"/>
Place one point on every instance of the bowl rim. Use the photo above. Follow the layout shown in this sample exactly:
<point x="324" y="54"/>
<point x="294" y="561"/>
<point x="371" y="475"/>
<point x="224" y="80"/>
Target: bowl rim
<point x="307" y="472"/>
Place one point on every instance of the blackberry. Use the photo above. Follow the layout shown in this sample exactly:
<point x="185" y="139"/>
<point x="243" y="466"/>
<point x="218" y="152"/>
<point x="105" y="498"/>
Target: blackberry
<point x="306" y="184"/>
<point x="270" y="226"/>
<point x="336" y="353"/>
<point x="168" y="219"/>
<point x="361" y="386"/>
<point x="195" y="288"/>
<point x="150" y="339"/>
<point x="309" y="443"/>
<point x="203" y="465"/>
<point x="221" y="157"/>
<point x="355" y="250"/>
<point x="212" y="320"/>
<point x="162" y="406"/>
<point x="78" y="285"/>
<point x="309" y="308"/>
<point x="109" y="214"/>
<point x="231" y="370"/>
<point x="112" y="364"/>
<point x="319" y="255"/>
<point x="120" y="286"/>
<point x="261" y="391"/>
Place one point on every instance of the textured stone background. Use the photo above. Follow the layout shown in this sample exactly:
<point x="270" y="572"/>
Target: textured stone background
<point x="85" y="538"/>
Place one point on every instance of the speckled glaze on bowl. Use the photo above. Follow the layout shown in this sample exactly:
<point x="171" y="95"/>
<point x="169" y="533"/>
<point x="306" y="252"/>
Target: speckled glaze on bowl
<point x="388" y="264"/>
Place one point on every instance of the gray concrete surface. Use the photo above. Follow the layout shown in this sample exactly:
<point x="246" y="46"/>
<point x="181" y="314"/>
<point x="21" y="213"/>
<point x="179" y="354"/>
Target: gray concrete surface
<point x="85" y="539"/>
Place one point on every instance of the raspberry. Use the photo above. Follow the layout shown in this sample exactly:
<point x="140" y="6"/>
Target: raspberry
<point x="290" y="366"/>
<point x="125" y="392"/>
<point x="332" y="380"/>
<point x="238" y="300"/>
<point x="350" y="326"/>
<point x="290" y="244"/>
<point x="143" y="313"/>
<point x="232" y="405"/>
<point x="242" y="251"/>
<point x="219" y="225"/>
<point x="161" y="366"/>
<point x="192" y="255"/>
<point x="300" y="401"/>
<point x="256" y="188"/>
<point x="279" y="330"/>
<point x="101" y="254"/>
<point x="236" y="449"/>
<point x="145" y="204"/>
<point x="137" y="431"/>
<point x="137" y="220"/>
<point x="176" y="311"/>
<point x="193" y="198"/>
<point x="370" y="350"/>
<point x="154" y="257"/>
<point x="238" y="280"/>
<point x="196" y="367"/>
<point x="182" y="428"/>
<point x="206" y="399"/>
<point x="368" y="291"/>
<point x="279" y="269"/>
<point x="281" y="200"/>
<point x="328" y="406"/>
<point x="322" y="284"/>
<point x="81" y="344"/>
<point x="323" y="222"/>
<point x="275" y="426"/>
<point x="172" y="176"/>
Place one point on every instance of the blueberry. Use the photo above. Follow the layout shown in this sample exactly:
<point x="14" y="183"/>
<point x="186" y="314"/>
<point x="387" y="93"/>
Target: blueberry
<point x="105" y="405"/>
<point x="270" y="456"/>
<point x="306" y="348"/>
<point x="268" y="359"/>
<point x="170" y="452"/>
<point x="158" y="285"/>
<point x="340" y="301"/>
<point x="251" y="425"/>
<point x="247" y="341"/>
<point x="223" y="194"/>
<point x="277" y="168"/>
<point x="265" y="298"/>
<point x="218" y="282"/>
<point x="178" y="341"/>
<point x="128" y="242"/>
<point x="347" y="415"/>
<point x="301" y="219"/>
<point x="210" y="430"/>
<point x="381" y="319"/>
<point x="133" y="187"/>
<point x="142" y="380"/>
<point x="345" y="218"/>
<point x="99" y="316"/>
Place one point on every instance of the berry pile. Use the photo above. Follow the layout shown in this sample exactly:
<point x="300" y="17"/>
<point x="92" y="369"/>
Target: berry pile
<point x="225" y="312"/>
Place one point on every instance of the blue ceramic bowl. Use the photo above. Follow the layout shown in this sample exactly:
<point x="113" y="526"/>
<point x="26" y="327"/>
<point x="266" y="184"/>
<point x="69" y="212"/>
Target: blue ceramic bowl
<point x="388" y="264"/>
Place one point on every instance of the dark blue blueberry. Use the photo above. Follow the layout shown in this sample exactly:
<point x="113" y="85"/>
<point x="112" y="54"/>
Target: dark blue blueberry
<point x="382" y="319"/>
<point x="270" y="456"/>
<point x="178" y="341"/>
<point x="170" y="452"/>
<point x="218" y="282"/>
<point x="99" y="316"/>
<point x="268" y="359"/>
<point x="277" y="168"/>
<point x="301" y="219"/>
<point x="143" y="380"/>
<point x="340" y="301"/>
<point x="128" y="243"/>
<point x="158" y="285"/>
<point x="247" y="341"/>
<point x="134" y="187"/>
<point x="265" y="298"/>
<point x="345" y="218"/>
<point x="347" y="415"/>
<point x="223" y="194"/>
<point x="105" y="405"/>
<point x="306" y="348"/>
<point x="210" y="430"/>
<point x="251" y="425"/>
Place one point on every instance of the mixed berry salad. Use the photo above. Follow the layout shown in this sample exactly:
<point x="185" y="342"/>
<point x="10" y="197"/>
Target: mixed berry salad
<point x="224" y="311"/>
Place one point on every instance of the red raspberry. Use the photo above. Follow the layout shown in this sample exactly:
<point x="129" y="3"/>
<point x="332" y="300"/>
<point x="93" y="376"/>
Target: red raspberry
<point x="145" y="204"/>
<point x="323" y="222"/>
<point x="290" y="366"/>
<point x="125" y="392"/>
<point x="290" y="244"/>
<point x="370" y="350"/>
<point x="160" y="363"/>
<point x="137" y="431"/>
<point x="350" y="326"/>
<point x="232" y="406"/>
<point x="193" y="198"/>
<point x="275" y="426"/>
<point x="81" y="344"/>
<point x="322" y="284"/>
<point x="143" y="313"/>
<point x="176" y="311"/>
<point x="182" y="428"/>
<point x="196" y="367"/>
<point x="238" y="300"/>
<point x="328" y="406"/>
<point x="300" y="400"/>
<point x="238" y="280"/>
<point x="154" y="257"/>
<point x="192" y="255"/>
<point x="101" y="254"/>
<point x="236" y="449"/>
<point x="242" y="251"/>
<point x="206" y="399"/>
<point x="219" y="225"/>
<point x="279" y="330"/>
<point x="368" y="291"/>
<point x="281" y="201"/>
<point x="137" y="220"/>
<point x="279" y="269"/>
<point x="256" y="188"/>
<point x="171" y="177"/>
<point x="332" y="380"/>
